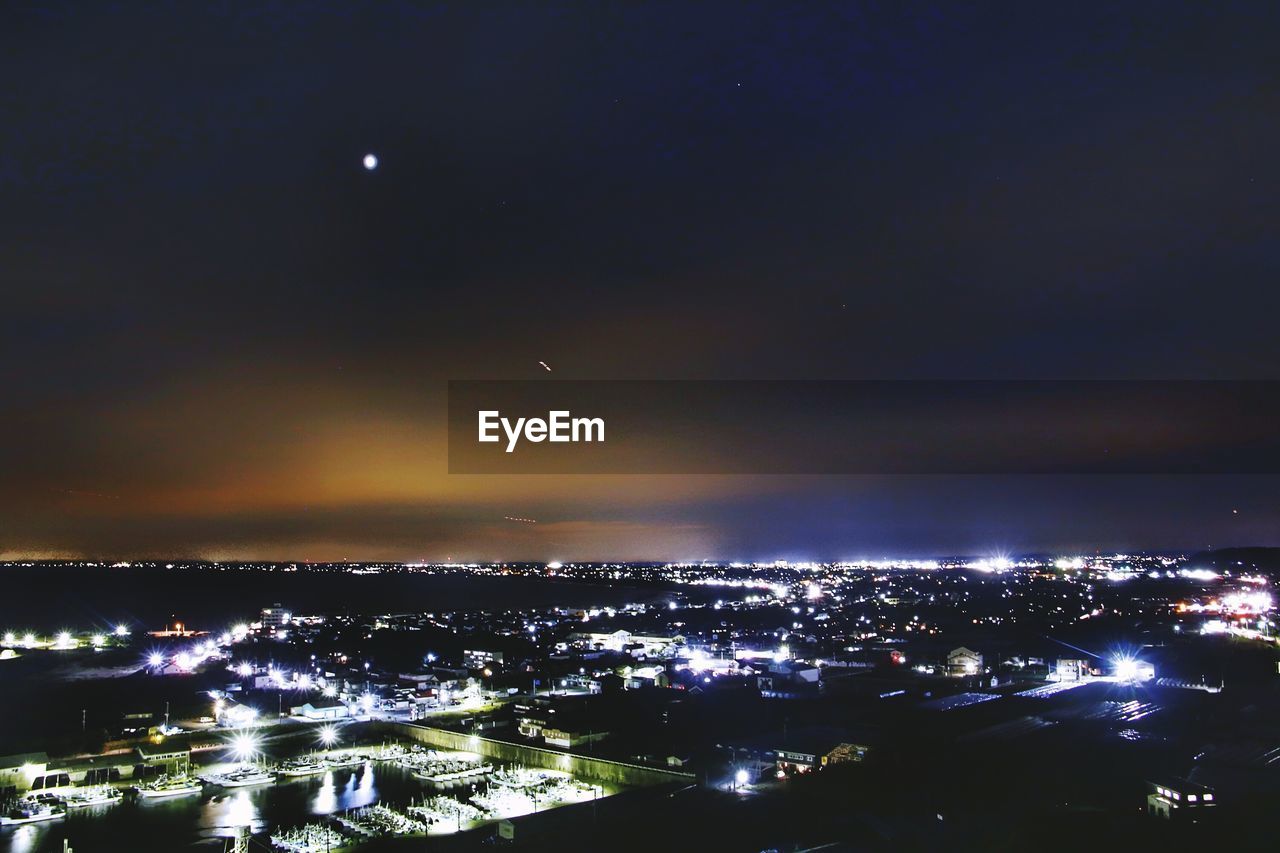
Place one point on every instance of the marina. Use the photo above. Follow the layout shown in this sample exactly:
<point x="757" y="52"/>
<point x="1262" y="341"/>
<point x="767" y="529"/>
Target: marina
<point x="333" y="801"/>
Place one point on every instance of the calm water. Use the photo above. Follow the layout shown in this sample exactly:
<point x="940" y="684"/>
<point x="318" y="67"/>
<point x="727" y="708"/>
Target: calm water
<point x="204" y="822"/>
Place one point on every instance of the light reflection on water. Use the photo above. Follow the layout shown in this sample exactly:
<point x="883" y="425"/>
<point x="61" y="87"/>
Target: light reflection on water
<point x="336" y="793"/>
<point x="201" y="822"/>
<point x="23" y="839"/>
<point x="220" y="815"/>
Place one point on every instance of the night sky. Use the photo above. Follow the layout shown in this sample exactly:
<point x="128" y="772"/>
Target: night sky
<point x="222" y="337"/>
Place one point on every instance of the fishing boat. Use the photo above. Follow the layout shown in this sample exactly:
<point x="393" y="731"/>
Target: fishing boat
<point x="32" y="811"/>
<point x="241" y="777"/>
<point x="389" y="752"/>
<point x="96" y="795"/>
<point x="169" y="786"/>
<point x="295" y="767"/>
<point x="336" y="762"/>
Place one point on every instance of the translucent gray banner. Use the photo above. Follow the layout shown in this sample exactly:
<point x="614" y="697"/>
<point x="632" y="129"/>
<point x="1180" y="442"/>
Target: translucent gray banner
<point x="863" y="427"/>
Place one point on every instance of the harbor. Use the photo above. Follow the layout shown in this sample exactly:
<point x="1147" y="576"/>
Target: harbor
<point x="325" y="800"/>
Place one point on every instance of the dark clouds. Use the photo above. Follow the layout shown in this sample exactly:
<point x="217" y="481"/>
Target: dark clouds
<point x="213" y="313"/>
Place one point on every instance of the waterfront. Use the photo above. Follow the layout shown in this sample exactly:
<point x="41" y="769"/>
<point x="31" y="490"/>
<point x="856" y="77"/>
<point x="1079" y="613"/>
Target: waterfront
<point x="911" y="688"/>
<point x="204" y="822"/>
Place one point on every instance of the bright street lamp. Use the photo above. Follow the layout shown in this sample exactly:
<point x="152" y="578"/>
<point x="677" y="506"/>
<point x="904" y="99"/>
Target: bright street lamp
<point x="244" y="747"/>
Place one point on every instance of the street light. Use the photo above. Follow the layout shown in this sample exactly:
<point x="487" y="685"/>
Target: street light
<point x="244" y="747"/>
<point x="1126" y="668"/>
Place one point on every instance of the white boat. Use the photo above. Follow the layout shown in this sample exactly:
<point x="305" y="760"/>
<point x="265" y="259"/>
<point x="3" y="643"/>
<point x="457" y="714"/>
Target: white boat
<point x="241" y="777"/>
<point x="32" y="812"/>
<point x="97" y="795"/>
<point x="169" y="786"/>
<point x="340" y="761"/>
<point x="295" y="767"/>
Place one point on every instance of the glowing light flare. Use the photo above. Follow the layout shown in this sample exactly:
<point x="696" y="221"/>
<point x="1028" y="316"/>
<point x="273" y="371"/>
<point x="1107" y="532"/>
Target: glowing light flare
<point x="1126" y="669"/>
<point x="1245" y="603"/>
<point x="244" y="747"/>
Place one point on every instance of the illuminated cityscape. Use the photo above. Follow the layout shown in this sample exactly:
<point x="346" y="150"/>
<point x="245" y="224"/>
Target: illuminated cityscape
<point x="736" y="685"/>
<point x="767" y="427"/>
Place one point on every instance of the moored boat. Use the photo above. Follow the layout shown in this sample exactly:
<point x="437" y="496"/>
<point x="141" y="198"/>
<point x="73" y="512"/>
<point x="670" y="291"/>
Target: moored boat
<point x="32" y="811"/>
<point x="295" y="767"/>
<point x="240" y="777"/>
<point x="335" y="762"/>
<point x="96" y="795"/>
<point x="169" y="786"/>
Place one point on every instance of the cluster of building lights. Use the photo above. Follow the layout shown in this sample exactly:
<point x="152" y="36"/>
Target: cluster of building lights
<point x="63" y="640"/>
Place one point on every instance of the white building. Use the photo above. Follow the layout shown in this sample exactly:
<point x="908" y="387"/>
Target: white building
<point x="275" y="617"/>
<point x="328" y="709"/>
<point x="963" y="661"/>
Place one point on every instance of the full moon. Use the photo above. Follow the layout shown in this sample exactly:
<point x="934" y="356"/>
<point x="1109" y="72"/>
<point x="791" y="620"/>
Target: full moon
<point x="370" y="162"/>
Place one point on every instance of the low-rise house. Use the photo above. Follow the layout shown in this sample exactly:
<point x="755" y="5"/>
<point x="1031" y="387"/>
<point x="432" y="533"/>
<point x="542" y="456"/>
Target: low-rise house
<point x="789" y="679"/>
<point x="801" y="750"/>
<point x="321" y="709"/>
<point x="963" y="661"/>
<point x="1180" y="800"/>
